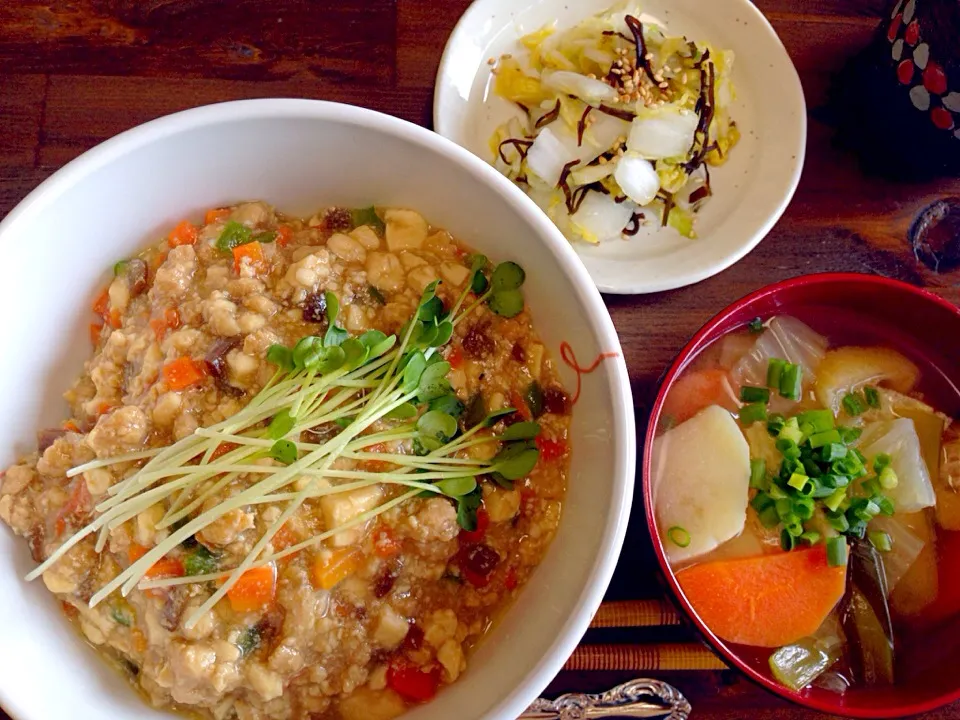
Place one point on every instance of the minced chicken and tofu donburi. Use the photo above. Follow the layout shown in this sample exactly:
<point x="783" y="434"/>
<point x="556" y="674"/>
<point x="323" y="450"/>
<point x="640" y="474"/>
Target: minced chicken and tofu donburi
<point x="307" y="466"/>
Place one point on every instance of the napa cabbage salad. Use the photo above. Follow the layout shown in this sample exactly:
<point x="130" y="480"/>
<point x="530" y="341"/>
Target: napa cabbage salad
<point x="620" y="125"/>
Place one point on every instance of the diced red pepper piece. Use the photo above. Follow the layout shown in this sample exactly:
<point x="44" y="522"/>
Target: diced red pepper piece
<point x="412" y="682"/>
<point x="475" y="536"/>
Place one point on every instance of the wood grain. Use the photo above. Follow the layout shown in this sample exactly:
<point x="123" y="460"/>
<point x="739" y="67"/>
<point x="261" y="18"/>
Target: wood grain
<point x="75" y="72"/>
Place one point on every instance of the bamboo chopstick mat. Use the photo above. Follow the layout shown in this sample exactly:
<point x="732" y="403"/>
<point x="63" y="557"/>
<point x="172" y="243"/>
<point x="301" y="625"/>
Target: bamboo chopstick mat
<point x="641" y="656"/>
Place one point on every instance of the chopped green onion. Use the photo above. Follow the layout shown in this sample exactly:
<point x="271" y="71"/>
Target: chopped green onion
<point x="367" y="216"/>
<point x="775" y="424"/>
<point x="787" y="541"/>
<point x="750" y="394"/>
<point x="758" y="473"/>
<point x="819" y="420"/>
<point x="248" y="640"/>
<point x="761" y="501"/>
<point x="233" y="235"/>
<point x="120" y="268"/>
<point x="777" y="492"/>
<point x="872" y="396"/>
<point x="881" y="461"/>
<point x="791" y="381"/>
<point x="200" y="561"/>
<point x="833" y="451"/>
<point x="888" y="478"/>
<point x="836" y="499"/>
<point x="811" y="537"/>
<point x="678" y="536"/>
<point x="803" y="508"/>
<point x="886" y="506"/>
<point x="768" y="517"/>
<point x="755" y="326"/>
<point x="838" y="521"/>
<point x="798" y="481"/>
<point x="791" y="431"/>
<point x="880" y="540"/>
<point x="825" y="438"/>
<point x="849" y="435"/>
<point x="754" y="412"/>
<point x="774" y="372"/>
<point x="853" y="404"/>
<point x="836" y="551"/>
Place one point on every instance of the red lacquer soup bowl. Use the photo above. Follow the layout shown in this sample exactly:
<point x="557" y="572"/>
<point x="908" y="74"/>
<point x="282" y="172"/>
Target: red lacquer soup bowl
<point x="863" y="310"/>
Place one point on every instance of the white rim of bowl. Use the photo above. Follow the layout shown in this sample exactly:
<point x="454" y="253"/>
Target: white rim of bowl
<point x="442" y="127"/>
<point x="590" y="597"/>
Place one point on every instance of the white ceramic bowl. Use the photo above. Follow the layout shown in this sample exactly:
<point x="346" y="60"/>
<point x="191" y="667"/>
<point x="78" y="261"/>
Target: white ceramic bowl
<point x="751" y="190"/>
<point x="300" y="155"/>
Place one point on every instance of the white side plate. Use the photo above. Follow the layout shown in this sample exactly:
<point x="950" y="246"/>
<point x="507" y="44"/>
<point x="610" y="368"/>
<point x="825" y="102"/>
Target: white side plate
<point x="751" y="190"/>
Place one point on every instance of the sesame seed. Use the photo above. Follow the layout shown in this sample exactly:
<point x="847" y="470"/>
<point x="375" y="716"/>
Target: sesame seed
<point x="683" y="78"/>
<point x="648" y="56"/>
<point x="491" y="61"/>
<point x="664" y="84"/>
<point x="592" y="76"/>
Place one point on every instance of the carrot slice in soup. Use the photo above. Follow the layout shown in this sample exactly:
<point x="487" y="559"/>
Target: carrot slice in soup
<point x="697" y="390"/>
<point x="765" y="601"/>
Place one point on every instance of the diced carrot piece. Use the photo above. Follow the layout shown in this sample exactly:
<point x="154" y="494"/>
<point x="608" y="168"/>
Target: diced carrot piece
<point x="113" y="318"/>
<point x="455" y="357"/>
<point x="222" y="449"/>
<point x="284" y="538"/>
<point x="329" y="569"/>
<point x="101" y="304"/>
<point x="159" y="327"/>
<point x="183" y="372"/>
<point x="139" y="641"/>
<point x="169" y="321"/>
<point x="172" y="318"/>
<point x="697" y="390"/>
<point x="284" y="235"/>
<point x="766" y="601"/>
<point x="166" y="567"/>
<point x="69" y="610"/>
<point x="385" y="543"/>
<point x="71" y="426"/>
<point x="510" y="580"/>
<point x="95" y="330"/>
<point x="185" y="233"/>
<point x="251" y="250"/>
<point x="255" y="590"/>
<point x="77" y="504"/>
<point x="216" y="214"/>
<point x="103" y="408"/>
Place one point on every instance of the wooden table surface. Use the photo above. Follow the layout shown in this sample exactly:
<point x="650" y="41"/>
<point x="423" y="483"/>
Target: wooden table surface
<point x="75" y="72"/>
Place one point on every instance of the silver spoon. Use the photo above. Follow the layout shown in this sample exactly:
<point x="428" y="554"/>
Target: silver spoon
<point x="634" y="699"/>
